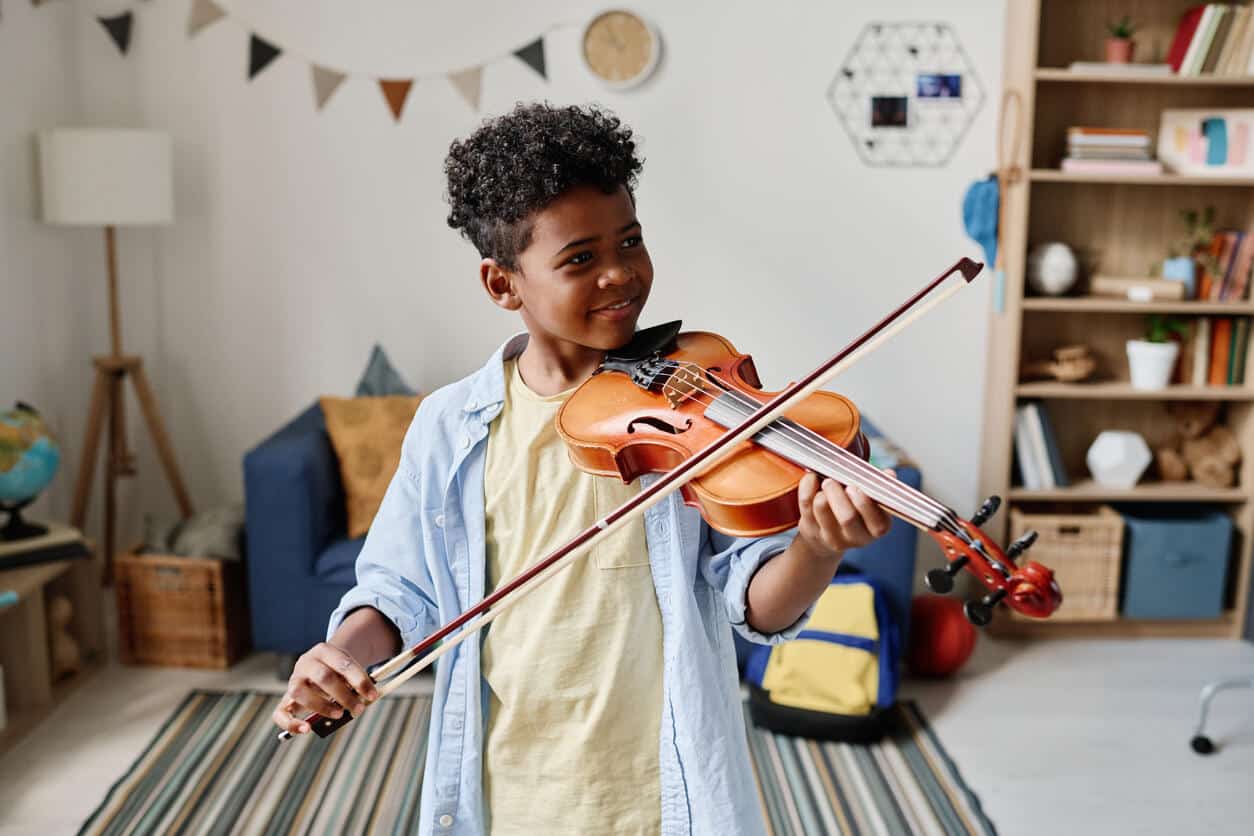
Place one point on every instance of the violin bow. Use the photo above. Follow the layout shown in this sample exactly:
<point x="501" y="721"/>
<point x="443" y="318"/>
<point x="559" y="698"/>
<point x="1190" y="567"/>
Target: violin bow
<point x="399" y="667"/>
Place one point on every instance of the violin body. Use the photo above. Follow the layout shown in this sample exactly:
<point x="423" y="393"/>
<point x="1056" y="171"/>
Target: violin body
<point x="613" y="427"/>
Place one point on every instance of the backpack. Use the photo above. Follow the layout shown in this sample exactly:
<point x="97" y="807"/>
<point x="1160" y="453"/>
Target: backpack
<point x="838" y="678"/>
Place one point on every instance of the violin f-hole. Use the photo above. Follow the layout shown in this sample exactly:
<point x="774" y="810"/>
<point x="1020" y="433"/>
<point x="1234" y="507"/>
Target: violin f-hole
<point x="660" y="424"/>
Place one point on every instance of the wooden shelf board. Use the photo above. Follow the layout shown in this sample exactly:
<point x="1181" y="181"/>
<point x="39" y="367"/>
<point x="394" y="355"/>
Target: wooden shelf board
<point x="21" y="722"/>
<point x="1225" y="626"/>
<point x="1065" y="75"/>
<point x="1087" y="490"/>
<point x="1097" y="304"/>
<point x="1126" y="392"/>
<point x="1052" y="175"/>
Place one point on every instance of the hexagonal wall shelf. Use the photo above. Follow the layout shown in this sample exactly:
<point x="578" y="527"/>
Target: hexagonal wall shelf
<point x="906" y="94"/>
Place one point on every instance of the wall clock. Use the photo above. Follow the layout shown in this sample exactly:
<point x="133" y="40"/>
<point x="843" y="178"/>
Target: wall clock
<point x="621" y="48"/>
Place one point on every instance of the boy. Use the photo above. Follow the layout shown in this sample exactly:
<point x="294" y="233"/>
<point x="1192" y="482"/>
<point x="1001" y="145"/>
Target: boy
<point x="607" y="700"/>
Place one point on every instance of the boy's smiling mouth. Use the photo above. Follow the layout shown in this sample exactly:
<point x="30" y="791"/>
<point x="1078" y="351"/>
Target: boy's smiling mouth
<point x="617" y="310"/>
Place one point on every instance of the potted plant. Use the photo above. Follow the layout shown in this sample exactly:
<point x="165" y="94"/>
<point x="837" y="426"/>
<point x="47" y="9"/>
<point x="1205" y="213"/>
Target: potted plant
<point x="1119" y="45"/>
<point x="1193" y="250"/>
<point x="1152" y="359"/>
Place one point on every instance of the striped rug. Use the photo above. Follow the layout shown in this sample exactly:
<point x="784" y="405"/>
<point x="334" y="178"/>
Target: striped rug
<point x="215" y="767"/>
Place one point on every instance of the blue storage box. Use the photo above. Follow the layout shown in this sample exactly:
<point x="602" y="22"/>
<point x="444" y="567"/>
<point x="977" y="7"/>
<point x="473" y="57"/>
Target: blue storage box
<point x="1175" y="560"/>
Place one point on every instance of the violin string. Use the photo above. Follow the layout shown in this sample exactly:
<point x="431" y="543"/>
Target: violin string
<point x="828" y="452"/>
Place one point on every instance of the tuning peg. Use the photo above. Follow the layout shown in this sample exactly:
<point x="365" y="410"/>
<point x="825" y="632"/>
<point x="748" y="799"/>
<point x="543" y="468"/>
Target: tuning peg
<point x="941" y="581"/>
<point x="980" y="612"/>
<point x="987" y="510"/>
<point x="1020" y="545"/>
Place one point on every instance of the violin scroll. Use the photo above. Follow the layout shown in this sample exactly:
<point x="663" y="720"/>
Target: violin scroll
<point x="1029" y="589"/>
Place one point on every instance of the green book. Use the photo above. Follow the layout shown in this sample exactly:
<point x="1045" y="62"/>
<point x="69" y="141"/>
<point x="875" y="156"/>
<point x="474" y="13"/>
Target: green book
<point x="1236" y="357"/>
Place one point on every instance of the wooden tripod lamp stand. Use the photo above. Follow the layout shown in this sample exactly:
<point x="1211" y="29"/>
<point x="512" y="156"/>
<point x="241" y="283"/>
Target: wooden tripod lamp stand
<point x="111" y="177"/>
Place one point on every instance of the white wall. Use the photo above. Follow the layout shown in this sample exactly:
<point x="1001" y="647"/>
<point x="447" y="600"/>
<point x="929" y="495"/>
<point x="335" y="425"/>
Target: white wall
<point x="304" y="237"/>
<point x="46" y="325"/>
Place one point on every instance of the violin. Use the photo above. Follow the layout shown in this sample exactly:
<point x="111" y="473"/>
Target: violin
<point x="667" y="395"/>
<point x="689" y="406"/>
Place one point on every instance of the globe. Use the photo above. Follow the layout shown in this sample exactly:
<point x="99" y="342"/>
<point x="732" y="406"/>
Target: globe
<point x="29" y="457"/>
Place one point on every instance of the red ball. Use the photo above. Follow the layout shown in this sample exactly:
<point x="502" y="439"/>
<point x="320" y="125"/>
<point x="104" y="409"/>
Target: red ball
<point x="941" y="638"/>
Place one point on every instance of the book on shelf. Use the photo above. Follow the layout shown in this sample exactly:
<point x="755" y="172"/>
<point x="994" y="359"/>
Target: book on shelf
<point x="1124" y="69"/>
<point x="1024" y="456"/>
<point x="1137" y="288"/>
<point x="60" y="542"/>
<point x="1127" y="168"/>
<point x="1223" y="273"/>
<point x="1037" y="454"/>
<point x="1213" y="39"/>
<point x="1213" y="353"/>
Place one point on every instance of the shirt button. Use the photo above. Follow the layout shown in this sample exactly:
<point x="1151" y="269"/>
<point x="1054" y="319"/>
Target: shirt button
<point x="446" y="820"/>
<point x="439" y="521"/>
<point x="465" y="441"/>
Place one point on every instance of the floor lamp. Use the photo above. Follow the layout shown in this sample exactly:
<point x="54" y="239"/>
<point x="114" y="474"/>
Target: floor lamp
<point x="111" y="177"/>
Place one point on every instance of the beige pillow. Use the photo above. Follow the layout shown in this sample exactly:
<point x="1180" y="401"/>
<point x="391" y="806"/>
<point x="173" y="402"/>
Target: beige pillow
<point x="367" y="433"/>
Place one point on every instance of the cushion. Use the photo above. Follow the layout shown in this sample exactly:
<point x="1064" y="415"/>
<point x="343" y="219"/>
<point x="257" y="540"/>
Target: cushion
<point x="338" y="561"/>
<point x="380" y="378"/>
<point x="367" y="433"/>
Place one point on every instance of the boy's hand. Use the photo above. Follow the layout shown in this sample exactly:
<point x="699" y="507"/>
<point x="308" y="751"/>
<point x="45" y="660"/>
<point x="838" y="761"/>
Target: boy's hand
<point x="325" y="680"/>
<point x="835" y="518"/>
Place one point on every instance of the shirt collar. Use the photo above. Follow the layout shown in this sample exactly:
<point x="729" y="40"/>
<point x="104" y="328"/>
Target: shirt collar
<point x="487" y="385"/>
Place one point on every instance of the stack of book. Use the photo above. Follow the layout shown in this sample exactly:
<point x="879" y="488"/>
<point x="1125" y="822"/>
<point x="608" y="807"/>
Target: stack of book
<point x="1093" y="150"/>
<point x="1214" y="352"/>
<point x="61" y="542"/>
<point x="1213" y="39"/>
<point x="1036" y="449"/>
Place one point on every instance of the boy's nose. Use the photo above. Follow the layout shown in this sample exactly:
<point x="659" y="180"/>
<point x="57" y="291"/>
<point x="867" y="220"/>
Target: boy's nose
<point x="615" y="276"/>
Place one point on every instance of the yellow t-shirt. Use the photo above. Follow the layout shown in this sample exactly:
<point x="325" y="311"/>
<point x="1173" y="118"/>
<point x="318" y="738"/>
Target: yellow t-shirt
<point x="575" y="668"/>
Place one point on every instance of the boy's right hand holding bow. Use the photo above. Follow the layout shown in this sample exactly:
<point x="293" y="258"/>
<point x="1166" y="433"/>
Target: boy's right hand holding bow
<point x="325" y="680"/>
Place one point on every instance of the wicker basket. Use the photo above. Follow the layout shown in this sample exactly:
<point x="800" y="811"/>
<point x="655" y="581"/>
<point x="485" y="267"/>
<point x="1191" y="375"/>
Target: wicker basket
<point x="1085" y="551"/>
<point x="181" y="611"/>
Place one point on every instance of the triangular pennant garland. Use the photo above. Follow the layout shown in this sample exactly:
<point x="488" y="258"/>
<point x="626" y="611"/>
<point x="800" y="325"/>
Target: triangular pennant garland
<point x="202" y="14"/>
<point x="119" y="29"/>
<point x="396" y="92"/>
<point x="325" y="83"/>
<point x="260" y="54"/>
<point x="468" y="83"/>
<point x="533" y="56"/>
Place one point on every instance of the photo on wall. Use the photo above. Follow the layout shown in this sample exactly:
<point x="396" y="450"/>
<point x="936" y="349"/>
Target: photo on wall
<point x="938" y="86"/>
<point x="890" y="111"/>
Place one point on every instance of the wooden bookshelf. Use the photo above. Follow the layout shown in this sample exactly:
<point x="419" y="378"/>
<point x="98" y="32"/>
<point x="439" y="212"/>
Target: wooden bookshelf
<point x="1051" y="175"/>
<point x="1117" y="226"/>
<point x="1060" y="74"/>
<point x="1093" y="304"/>
<point x="1125" y="391"/>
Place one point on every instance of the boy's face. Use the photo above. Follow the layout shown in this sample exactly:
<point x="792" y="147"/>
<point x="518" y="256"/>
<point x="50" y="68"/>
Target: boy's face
<point x="583" y="280"/>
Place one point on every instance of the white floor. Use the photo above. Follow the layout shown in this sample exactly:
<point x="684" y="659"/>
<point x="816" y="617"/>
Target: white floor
<point x="1063" y="737"/>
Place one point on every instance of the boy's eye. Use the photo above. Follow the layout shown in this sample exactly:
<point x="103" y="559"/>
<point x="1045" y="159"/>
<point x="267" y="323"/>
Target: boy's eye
<point x="632" y="241"/>
<point x="580" y="258"/>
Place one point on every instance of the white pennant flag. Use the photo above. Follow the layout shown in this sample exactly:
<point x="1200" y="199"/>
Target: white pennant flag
<point x="202" y="14"/>
<point x="467" y="83"/>
<point x="325" y="83"/>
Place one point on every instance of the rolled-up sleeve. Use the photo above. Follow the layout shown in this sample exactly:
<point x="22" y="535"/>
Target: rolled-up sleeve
<point x="728" y="564"/>
<point x="392" y="573"/>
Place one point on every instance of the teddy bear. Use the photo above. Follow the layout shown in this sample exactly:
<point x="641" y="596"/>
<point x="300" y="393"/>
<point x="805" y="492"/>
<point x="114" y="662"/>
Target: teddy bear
<point x="1200" y="448"/>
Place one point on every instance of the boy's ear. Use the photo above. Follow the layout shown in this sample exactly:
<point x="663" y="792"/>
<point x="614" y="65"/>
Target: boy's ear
<point x="499" y="283"/>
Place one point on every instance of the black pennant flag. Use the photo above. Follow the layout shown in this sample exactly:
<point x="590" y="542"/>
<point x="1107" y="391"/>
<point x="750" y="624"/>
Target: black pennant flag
<point x="260" y="54"/>
<point x="119" y="29"/>
<point x="533" y="56"/>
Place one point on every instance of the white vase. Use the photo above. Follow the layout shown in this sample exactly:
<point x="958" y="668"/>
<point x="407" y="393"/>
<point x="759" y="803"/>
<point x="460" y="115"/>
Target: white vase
<point x="1151" y="363"/>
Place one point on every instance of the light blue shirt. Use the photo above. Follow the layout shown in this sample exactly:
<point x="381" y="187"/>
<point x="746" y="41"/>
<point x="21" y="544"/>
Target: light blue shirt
<point x="423" y="564"/>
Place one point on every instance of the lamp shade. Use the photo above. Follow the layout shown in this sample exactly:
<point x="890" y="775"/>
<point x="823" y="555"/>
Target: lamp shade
<point x="106" y="177"/>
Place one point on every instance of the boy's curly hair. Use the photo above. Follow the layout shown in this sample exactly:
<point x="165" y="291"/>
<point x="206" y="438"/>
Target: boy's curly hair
<point x="519" y="162"/>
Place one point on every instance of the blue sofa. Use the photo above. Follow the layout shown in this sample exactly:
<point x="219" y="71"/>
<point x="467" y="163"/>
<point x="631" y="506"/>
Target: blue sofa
<point x="300" y="560"/>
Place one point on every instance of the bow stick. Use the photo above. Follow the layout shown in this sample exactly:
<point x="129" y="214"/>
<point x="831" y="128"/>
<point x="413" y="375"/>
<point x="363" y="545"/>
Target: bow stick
<point x="480" y="615"/>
